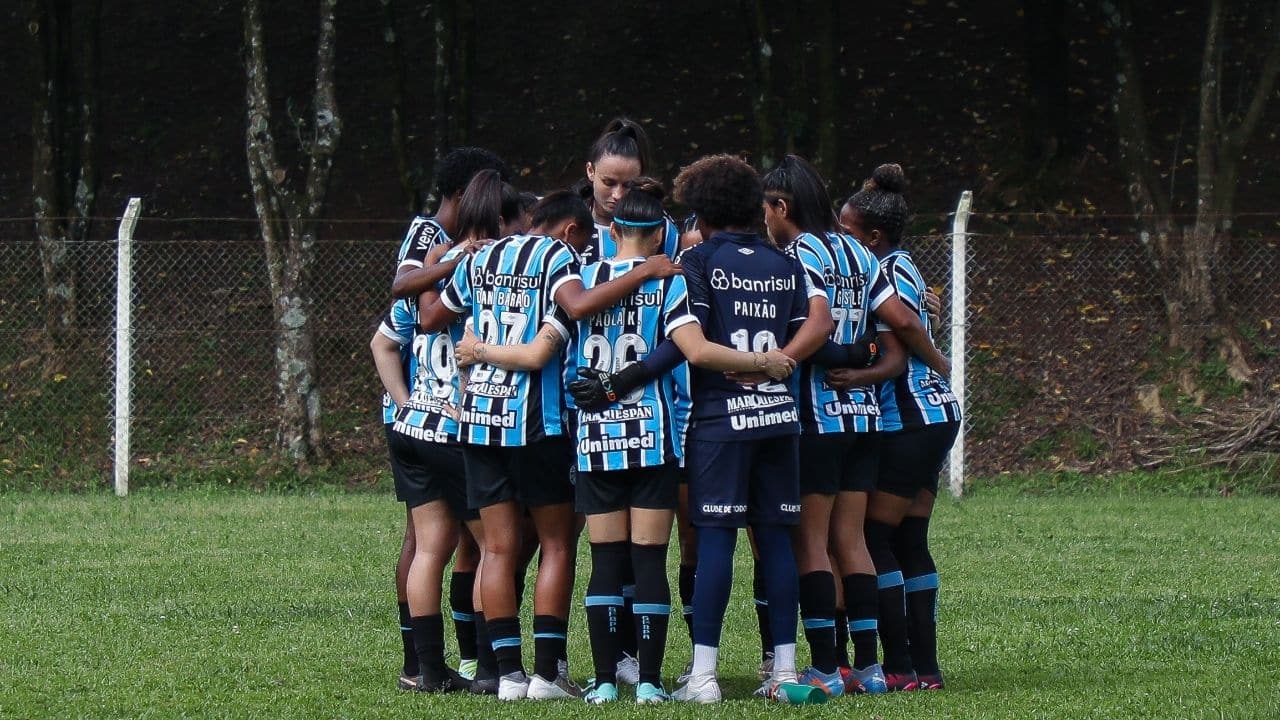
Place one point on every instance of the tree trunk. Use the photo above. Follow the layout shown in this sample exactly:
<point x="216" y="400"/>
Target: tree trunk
<point x="288" y="224"/>
<point x="399" y="145"/>
<point x="64" y="153"/>
<point x="761" y="80"/>
<point x="1047" y="124"/>
<point x="464" y="60"/>
<point x="442" y="85"/>
<point x="828" y="103"/>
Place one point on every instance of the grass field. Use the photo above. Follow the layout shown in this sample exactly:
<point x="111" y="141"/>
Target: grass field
<point x="200" y="603"/>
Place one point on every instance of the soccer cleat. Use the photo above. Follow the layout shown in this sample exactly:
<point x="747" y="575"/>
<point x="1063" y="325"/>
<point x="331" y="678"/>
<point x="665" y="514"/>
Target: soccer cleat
<point x="650" y="694"/>
<point x="628" y="670"/>
<point x="601" y="694"/>
<point x="684" y="676"/>
<point x="869" y="680"/>
<point x="450" y="683"/>
<point x="901" y="682"/>
<point x="832" y="684"/>
<point x="407" y="682"/>
<point x="467" y="668"/>
<point x="484" y="683"/>
<point x="932" y="681"/>
<point x="559" y="689"/>
<point x="702" y="689"/>
<point x="766" y="667"/>
<point x="513" y="686"/>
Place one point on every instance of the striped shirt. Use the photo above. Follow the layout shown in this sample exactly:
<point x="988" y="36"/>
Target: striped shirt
<point x="643" y="428"/>
<point x="847" y="274"/>
<point x="398" y="324"/>
<point x="919" y="396"/>
<point x="750" y="296"/>
<point x="424" y="233"/>
<point x="508" y="289"/>
<point x="433" y="392"/>
<point x="603" y="245"/>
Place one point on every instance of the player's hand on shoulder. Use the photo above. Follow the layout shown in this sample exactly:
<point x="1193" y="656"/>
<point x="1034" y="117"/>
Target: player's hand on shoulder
<point x="661" y="266"/>
<point x="933" y="307"/>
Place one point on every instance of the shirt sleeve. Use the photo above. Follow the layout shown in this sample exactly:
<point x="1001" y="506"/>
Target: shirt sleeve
<point x="815" y="273"/>
<point x="562" y="267"/>
<point x="398" y="323"/>
<point x="456" y="295"/>
<point x="423" y="235"/>
<point x="799" y="300"/>
<point x="675" y="307"/>
<point x="694" y="263"/>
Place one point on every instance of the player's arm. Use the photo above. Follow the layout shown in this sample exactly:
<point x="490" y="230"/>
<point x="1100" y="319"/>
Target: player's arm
<point x="412" y="281"/>
<point x="906" y="325"/>
<point x="712" y="356"/>
<point x="579" y="302"/>
<point x="386" y="358"/>
<point x="525" y="356"/>
<point x="891" y="363"/>
<point x="452" y="302"/>
<point x="436" y="316"/>
<point x="814" y="332"/>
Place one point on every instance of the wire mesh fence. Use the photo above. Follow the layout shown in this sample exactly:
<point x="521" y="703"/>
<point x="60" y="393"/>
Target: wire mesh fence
<point x="1061" y="331"/>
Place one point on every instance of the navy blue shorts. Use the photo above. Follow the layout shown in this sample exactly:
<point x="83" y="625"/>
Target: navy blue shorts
<point x="736" y="484"/>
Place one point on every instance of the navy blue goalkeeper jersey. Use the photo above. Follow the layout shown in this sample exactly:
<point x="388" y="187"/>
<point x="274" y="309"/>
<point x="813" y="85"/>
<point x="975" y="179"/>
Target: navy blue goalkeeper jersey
<point x="644" y="428"/>
<point x="508" y="289"/>
<point x="919" y="396"/>
<point x="749" y="296"/>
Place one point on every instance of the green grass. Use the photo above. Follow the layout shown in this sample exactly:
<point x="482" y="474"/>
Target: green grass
<point x="200" y="603"/>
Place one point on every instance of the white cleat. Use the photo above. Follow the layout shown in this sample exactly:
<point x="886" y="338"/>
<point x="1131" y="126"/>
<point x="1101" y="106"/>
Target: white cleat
<point x="701" y="689"/>
<point x="559" y="689"/>
<point x="513" y="686"/>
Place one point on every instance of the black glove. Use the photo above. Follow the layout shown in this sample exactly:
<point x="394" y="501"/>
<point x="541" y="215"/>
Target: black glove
<point x="863" y="352"/>
<point x="598" y="388"/>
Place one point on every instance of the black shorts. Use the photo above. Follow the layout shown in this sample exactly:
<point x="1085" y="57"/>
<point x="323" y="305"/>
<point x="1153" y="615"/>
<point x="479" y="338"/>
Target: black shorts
<point x="651" y="488"/>
<point x="839" y="462"/>
<point x="910" y="460"/>
<point x="736" y="484"/>
<point x="429" y="471"/>
<point x="533" y="475"/>
<point x="399" y="481"/>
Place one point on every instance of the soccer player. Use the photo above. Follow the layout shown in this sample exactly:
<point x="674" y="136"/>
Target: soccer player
<point x="921" y="418"/>
<point x="621" y="153"/>
<point x="839" y="448"/>
<point x="742" y="448"/>
<point x="511" y="424"/>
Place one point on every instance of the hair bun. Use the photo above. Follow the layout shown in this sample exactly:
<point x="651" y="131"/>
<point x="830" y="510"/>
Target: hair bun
<point x="648" y="186"/>
<point x="888" y="177"/>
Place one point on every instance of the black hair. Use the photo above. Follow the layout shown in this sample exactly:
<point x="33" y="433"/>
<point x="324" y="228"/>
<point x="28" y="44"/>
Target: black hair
<point x="800" y="184"/>
<point x="485" y="203"/>
<point x="723" y="190"/>
<point x="459" y="165"/>
<point x="880" y="202"/>
<point x="639" y="212"/>
<point x="527" y="201"/>
<point x="559" y="206"/>
<point x="625" y="138"/>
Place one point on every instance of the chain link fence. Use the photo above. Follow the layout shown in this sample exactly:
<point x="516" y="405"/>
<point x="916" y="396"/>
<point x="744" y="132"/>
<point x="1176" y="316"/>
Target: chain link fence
<point x="1062" y="331"/>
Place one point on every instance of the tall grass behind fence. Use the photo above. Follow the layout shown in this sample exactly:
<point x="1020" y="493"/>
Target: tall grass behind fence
<point x="1062" y="330"/>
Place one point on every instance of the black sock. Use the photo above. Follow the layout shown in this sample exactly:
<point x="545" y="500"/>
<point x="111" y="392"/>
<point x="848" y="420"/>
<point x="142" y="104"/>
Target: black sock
<point x="428" y="640"/>
<point x="911" y="545"/>
<point x="549" y="634"/>
<point x="464" y="619"/>
<point x="863" y="601"/>
<point x="410" y="666"/>
<point x="604" y="603"/>
<point x="842" y="638"/>
<point x="892" y="599"/>
<point x="504" y="635"/>
<point x="817" y="611"/>
<point x="686" y="596"/>
<point x="626" y="619"/>
<point x="762" y="610"/>
<point x="486" y="661"/>
<point x="652" y="608"/>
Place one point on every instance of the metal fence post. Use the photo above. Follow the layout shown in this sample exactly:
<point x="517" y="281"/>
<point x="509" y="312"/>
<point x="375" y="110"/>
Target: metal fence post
<point x="124" y="342"/>
<point x="959" y="308"/>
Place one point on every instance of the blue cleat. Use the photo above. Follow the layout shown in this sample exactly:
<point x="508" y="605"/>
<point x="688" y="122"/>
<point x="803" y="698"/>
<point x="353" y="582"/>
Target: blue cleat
<point x="830" y="683"/>
<point x="650" y="694"/>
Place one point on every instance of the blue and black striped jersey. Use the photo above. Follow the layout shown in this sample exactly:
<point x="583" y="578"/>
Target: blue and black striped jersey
<point x="433" y="390"/>
<point x="645" y="427"/>
<point x="424" y="233"/>
<point x="508" y="288"/>
<point x="848" y="275"/>
<point x="398" y="324"/>
<point x="919" y="396"/>
<point x="603" y="245"/>
<point x="750" y="296"/>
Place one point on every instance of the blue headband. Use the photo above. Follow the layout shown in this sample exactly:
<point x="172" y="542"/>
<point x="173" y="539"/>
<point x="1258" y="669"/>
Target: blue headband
<point x="639" y="224"/>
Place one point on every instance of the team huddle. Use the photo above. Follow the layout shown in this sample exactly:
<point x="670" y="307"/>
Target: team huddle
<point x="581" y="360"/>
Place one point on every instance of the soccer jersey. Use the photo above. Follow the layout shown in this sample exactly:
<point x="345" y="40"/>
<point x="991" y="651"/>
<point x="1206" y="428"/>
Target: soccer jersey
<point x="641" y="429"/>
<point x="919" y="396"/>
<point x="424" y="234"/>
<point x="398" y="324"/>
<point x="750" y="296"/>
<point x="603" y="245"/>
<point x="433" y="390"/>
<point x="847" y="274"/>
<point x="508" y="289"/>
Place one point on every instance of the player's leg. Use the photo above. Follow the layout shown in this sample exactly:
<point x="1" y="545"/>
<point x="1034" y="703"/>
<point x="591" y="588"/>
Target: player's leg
<point x="653" y="500"/>
<point x="858" y="580"/>
<point x="409" y="667"/>
<point x="819" y="481"/>
<point x="462" y="581"/>
<point x="600" y="496"/>
<point x="436" y="537"/>
<point x="760" y="602"/>
<point x="773" y="511"/>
